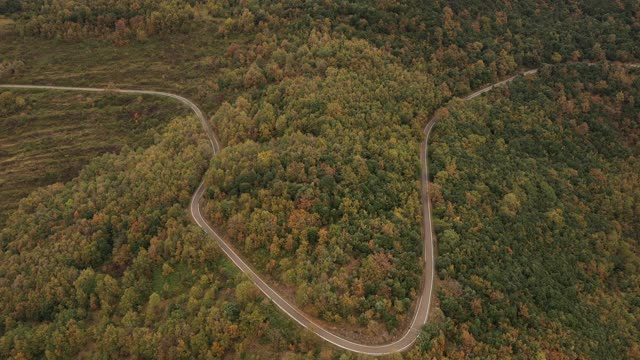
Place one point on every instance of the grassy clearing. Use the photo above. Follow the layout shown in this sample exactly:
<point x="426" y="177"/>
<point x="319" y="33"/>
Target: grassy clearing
<point x="7" y="26"/>
<point x="66" y="130"/>
<point x="47" y="136"/>
<point x="173" y="281"/>
<point x="51" y="137"/>
<point x="4" y="21"/>
<point x="184" y="64"/>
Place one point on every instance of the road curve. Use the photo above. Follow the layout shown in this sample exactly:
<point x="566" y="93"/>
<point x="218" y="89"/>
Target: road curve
<point x="215" y="144"/>
<point x="423" y="302"/>
<point x="296" y="314"/>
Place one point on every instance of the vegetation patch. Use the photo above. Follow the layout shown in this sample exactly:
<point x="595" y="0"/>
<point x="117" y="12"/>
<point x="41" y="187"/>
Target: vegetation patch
<point x="536" y="190"/>
<point x="49" y="136"/>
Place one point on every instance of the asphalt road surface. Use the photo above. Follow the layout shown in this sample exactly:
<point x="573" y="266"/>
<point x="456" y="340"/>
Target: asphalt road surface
<point x="423" y="305"/>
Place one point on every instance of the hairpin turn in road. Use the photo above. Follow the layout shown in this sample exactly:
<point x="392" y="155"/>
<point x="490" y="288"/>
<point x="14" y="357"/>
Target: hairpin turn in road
<point x="421" y="312"/>
<point x="423" y="305"/>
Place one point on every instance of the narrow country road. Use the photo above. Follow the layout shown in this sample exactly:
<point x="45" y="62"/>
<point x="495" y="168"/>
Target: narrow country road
<point x="423" y="305"/>
<point x="423" y="302"/>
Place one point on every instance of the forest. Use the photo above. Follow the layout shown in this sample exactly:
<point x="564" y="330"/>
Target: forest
<point x="319" y="187"/>
<point x="108" y="265"/>
<point x="538" y="206"/>
<point x="320" y="107"/>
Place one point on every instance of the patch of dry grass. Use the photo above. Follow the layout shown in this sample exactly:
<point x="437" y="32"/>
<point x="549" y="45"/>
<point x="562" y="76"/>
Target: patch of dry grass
<point x="48" y="136"/>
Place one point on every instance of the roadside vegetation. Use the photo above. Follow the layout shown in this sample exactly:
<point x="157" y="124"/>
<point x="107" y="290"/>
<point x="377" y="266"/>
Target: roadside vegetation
<point x="318" y="183"/>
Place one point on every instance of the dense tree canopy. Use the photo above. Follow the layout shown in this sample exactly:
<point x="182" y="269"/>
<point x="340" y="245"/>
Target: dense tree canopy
<point x="119" y="19"/>
<point x="109" y="266"/>
<point x="320" y="106"/>
<point x="318" y="185"/>
<point x="538" y="206"/>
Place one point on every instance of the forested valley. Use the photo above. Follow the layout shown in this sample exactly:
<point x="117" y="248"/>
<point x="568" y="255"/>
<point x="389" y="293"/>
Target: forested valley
<point x="320" y="107"/>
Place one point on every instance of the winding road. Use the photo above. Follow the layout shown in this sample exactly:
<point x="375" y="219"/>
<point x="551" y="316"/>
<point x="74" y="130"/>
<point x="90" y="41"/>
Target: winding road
<point x="421" y="312"/>
<point x="423" y="302"/>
